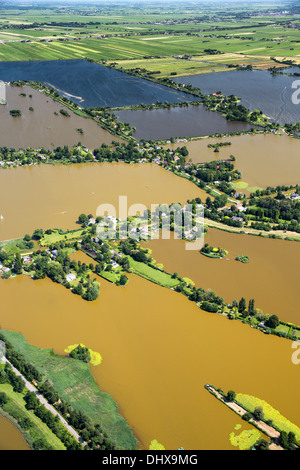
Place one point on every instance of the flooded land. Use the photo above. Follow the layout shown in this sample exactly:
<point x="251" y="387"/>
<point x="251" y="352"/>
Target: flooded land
<point x="89" y="84"/>
<point x="258" y="89"/>
<point x="41" y="127"/>
<point x="159" y="350"/>
<point x="10" y="437"/>
<point x="264" y="159"/>
<point x="47" y="196"/>
<point x="178" y="122"/>
<point x="270" y="277"/>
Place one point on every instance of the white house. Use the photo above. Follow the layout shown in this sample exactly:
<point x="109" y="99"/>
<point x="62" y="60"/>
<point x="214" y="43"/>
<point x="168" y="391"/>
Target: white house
<point x="70" y="277"/>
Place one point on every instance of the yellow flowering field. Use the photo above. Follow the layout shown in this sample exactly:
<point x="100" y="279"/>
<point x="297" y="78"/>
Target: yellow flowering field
<point x="250" y="402"/>
<point x="155" y="445"/>
<point x="245" y="439"/>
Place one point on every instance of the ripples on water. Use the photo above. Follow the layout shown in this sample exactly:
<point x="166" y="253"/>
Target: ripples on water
<point x="90" y="84"/>
<point x="258" y="89"/>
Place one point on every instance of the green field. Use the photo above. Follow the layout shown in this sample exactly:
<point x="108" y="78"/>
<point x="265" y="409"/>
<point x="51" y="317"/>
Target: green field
<point x="146" y="34"/>
<point x="14" y="246"/>
<point x="58" y="235"/>
<point x="139" y="47"/>
<point x="152" y="274"/>
<point x="74" y="382"/>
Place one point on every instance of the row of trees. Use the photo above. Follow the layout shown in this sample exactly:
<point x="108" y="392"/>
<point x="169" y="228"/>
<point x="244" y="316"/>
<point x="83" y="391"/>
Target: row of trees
<point x="93" y="435"/>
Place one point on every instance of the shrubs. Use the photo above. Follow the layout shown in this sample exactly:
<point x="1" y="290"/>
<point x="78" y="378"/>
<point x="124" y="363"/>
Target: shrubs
<point x="81" y="353"/>
<point x="247" y="416"/>
<point x="3" y="398"/>
<point x="242" y="258"/>
<point x="273" y="321"/>
<point x="230" y="395"/>
<point x="64" y="113"/>
<point x="15" y="112"/>
<point x="209" y="307"/>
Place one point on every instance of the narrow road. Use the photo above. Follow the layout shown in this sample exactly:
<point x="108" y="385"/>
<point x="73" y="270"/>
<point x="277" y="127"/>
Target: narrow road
<point x="46" y="404"/>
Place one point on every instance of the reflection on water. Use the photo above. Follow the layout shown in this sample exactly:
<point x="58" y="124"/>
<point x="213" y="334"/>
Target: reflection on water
<point x="45" y="126"/>
<point x="89" y="84"/>
<point x="159" y="350"/>
<point x="258" y="90"/>
<point x="178" y="122"/>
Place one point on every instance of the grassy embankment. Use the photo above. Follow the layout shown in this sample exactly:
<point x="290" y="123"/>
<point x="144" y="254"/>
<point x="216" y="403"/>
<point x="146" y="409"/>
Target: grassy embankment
<point x="73" y="381"/>
<point x="16" y="412"/>
<point x="152" y="274"/>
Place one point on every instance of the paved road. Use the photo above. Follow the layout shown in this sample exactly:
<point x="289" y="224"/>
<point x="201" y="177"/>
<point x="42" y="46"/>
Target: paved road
<point x="47" y="405"/>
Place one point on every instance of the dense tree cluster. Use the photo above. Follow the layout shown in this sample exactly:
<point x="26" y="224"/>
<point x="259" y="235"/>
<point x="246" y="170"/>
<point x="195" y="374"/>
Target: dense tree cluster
<point x="81" y="353"/>
<point x="275" y="208"/>
<point x="93" y="435"/>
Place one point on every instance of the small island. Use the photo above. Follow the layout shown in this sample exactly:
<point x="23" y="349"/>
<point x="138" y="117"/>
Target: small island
<point x="15" y="112"/>
<point x="242" y="258"/>
<point x="212" y="252"/>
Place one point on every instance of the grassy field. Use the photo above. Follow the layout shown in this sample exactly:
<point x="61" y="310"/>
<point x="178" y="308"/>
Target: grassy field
<point x="15" y="411"/>
<point x="13" y="246"/>
<point x="57" y="236"/>
<point x="152" y="274"/>
<point x="166" y="66"/>
<point x="74" y="382"/>
<point x="151" y="32"/>
<point x="254" y="51"/>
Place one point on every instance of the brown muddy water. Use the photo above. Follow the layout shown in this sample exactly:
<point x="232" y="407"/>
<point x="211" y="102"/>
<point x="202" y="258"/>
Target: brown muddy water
<point x="159" y="350"/>
<point x="41" y="127"/>
<point x="46" y="196"/>
<point x="264" y="160"/>
<point x="271" y="276"/>
<point x="10" y="436"/>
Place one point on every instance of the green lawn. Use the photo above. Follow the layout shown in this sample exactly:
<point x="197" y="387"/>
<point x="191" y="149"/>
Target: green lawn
<point x="111" y="276"/>
<point x="152" y="274"/>
<point x="288" y="329"/>
<point x="57" y="236"/>
<point x="14" y="246"/>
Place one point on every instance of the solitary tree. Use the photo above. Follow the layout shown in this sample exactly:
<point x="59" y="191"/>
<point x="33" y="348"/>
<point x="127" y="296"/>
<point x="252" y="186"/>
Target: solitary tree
<point x="230" y="395"/>
<point x="242" y="305"/>
<point x="273" y="321"/>
<point x="258" y="413"/>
